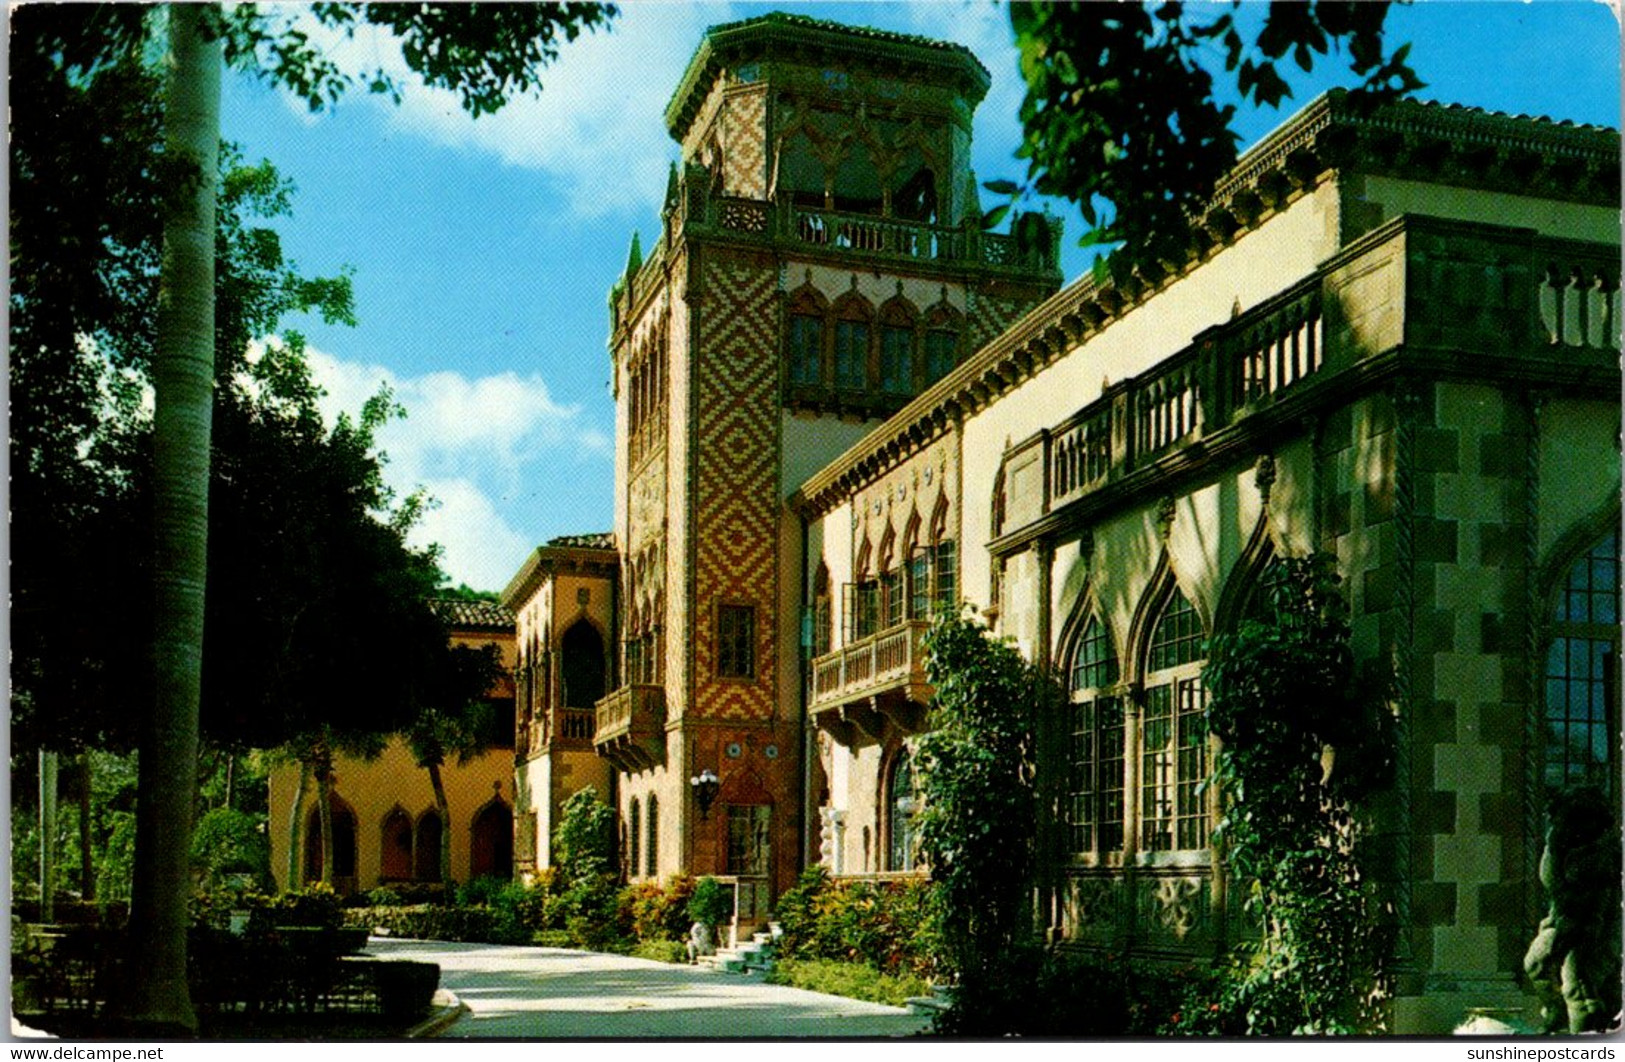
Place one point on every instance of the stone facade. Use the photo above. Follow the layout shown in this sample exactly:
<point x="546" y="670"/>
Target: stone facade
<point x="387" y="830"/>
<point x="1376" y="354"/>
<point x="842" y="405"/>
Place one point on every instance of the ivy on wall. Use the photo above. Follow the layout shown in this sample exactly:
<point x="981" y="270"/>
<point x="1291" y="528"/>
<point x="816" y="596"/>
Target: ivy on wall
<point x="1304" y="745"/>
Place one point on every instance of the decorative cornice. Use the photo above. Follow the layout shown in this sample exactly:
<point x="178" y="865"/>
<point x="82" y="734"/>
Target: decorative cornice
<point x="595" y="554"/>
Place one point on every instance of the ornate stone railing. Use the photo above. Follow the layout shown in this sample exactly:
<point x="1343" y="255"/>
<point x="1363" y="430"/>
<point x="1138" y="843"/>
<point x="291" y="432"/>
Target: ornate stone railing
<point x="631" y="727"/>
<point x="1417" y="288"/>
<point x="890" y="659"/>
<point x="577" y="724"/>
<point x="1229" y="372"/>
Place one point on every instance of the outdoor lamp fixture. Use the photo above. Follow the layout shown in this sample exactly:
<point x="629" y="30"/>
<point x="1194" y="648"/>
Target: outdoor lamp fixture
<point x="706" y="785"/>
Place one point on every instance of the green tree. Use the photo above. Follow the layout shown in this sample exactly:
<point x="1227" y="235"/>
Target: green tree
<point x="1304" y="742"/>
<point x="1120" y="115"/>
<point x="485" y="54"/>
<point x="453" y="725"/>
<point x="977" y="824"/>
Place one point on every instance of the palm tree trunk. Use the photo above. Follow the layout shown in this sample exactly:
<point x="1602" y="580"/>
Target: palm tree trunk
<point x="87" y="867"/>
<point x="295" y="821"/>
<point x="444" y="810"/>
<point x="324" y="809"/>
<point x="183" y="381"/>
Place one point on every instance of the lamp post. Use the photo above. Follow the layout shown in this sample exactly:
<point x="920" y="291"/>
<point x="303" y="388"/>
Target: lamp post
<point x="706" y="785"/>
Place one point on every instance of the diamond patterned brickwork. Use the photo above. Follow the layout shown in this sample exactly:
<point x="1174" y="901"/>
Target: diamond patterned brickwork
<point x="736" y="460"/>
<point x="745" y="150"/>
<point x="990" y="315"/>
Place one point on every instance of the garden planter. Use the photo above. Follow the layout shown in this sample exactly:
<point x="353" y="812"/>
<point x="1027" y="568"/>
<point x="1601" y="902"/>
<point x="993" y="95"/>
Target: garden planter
<point x="405" y="989"/>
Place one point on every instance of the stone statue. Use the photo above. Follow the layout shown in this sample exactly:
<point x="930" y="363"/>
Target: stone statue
<point x="1574" y="960"/>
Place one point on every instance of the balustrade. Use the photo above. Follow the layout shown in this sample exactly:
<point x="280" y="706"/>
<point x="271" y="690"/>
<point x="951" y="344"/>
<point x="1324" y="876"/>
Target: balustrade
<point x="1579" y="303"/>
<point x="893" y="658"/>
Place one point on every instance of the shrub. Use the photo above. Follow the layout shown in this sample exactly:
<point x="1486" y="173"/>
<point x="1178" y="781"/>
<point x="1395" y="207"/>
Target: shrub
<point x="885" y="924"/>
<point x="656" y="912"/>
<point x="480" y="891"/>
<point x="712" y="902"/>
<point x="478" y="925"/>
<point x="850" y="979"/>
<point x="661" y="951"/>
<point x="384" y="896"/>
<point x="227" y="842"/>
<point x="584" y="841"/>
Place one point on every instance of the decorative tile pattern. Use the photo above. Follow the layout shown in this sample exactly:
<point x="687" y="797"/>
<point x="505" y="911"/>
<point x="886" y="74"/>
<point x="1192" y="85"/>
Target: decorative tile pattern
<point x="746" y="156"/>
<point x="990" y="315"/>
<point x="735" y="514"/>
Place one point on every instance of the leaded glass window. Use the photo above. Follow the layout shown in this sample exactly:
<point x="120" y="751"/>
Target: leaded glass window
<point x="806" y="349"/>
<point x="1095" y="761"/>
<point x="896" y="360"/>
<point x="1582" y="671"/>
<point x="1173" y="747"/>
<point x="900" y="814"/>
<point x="852" y="355"/>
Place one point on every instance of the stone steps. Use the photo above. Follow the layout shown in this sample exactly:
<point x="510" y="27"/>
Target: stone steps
<point x="752" y="955"/>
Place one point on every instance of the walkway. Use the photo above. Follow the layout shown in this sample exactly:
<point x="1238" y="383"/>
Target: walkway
<point x="556" y="994"/>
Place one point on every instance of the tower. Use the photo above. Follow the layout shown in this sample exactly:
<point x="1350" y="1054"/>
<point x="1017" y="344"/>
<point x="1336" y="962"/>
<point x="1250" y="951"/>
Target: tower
<point x="821" y="263"/>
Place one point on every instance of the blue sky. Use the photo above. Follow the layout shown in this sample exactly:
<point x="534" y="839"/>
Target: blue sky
<point x="483" y="250"/>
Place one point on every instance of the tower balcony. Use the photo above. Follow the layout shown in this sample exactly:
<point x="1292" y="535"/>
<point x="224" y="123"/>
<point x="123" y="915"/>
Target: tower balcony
<point x="631" y="730"/>
<point x="860" y="689"/>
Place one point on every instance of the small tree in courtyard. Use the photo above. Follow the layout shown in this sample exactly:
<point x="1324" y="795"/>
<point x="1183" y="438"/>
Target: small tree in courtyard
<point x="978" y="821"/>
<point x="1302" y="747"/>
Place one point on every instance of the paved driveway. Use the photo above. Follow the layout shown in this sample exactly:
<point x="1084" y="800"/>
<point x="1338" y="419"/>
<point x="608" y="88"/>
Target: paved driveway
<point x="553" y="993"/>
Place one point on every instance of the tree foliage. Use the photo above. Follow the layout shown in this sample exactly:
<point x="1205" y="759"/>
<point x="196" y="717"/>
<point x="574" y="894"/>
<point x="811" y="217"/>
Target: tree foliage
<point x="1304" y="743"/>
<point x="977" y="822"/>
<point x="485" y="53"/>
<point x="1120" y="115"/>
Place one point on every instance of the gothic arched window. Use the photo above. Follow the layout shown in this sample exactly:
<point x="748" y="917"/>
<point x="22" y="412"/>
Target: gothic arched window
<point x="900" y="805"/>
<point x="1094" y="809"/>
<point x="1173" y="757"/>
<point x="1582" y="672"/>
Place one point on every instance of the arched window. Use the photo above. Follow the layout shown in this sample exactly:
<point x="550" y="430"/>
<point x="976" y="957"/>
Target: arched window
<point x="1172" y="747"/>
<point x="943" y="325"/>
<point x="1094" y="810"/>
<point x="343" y="842"/>
<point x="652" y="848"/>
<point x="426" y="852"/>
<point x="900" y="805"/>
<point x="822" y="634"/>
<point x="395" y="835"/>
<point x="897" y="326"/>
<point x="634" y="837"/>
<point x="805" y="334"/>
<point x="583" y="665"/>
<point x="1582" y="672"/>
<point x="852" y="329"/>
<point x="491" y="842"/>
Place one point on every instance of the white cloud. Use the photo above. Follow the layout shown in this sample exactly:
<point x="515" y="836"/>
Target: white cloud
<point x="475" y="444"/>
<point x="480" y="547"/>
<point x="595" y="129"/>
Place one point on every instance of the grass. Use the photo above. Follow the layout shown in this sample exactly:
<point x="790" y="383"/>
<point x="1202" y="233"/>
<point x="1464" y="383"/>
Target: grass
<point x="850" y="979"/>
<point x="661" y="951"/>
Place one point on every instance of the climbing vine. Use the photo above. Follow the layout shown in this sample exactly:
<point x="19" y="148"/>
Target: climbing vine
<point x="1303" y="747"/>
<point x="977" y="824"/>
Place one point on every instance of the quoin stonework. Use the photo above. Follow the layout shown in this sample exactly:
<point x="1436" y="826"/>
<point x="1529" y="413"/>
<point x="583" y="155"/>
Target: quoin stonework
<point x="842" y="404"/>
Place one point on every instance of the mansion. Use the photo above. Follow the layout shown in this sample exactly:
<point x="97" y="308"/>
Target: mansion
<point x="841" y="402"/>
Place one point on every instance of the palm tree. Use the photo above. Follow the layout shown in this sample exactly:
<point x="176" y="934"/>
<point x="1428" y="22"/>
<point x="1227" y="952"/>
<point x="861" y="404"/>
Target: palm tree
<point x="183" y="388"/>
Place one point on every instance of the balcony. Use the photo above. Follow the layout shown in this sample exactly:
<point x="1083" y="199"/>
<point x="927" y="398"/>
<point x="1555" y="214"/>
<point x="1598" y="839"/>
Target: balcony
<point x="879" y="681"/>
<point x="631" y="727"/>
<point x="1417" y="295"/>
